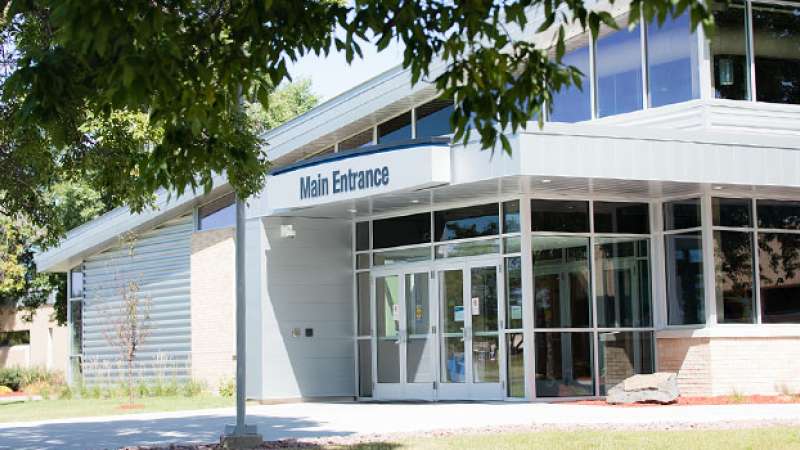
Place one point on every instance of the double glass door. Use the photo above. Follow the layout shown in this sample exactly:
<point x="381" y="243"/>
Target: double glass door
<point x="438" y="333"/>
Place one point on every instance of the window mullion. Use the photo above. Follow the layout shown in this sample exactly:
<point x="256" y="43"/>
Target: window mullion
<point x="756" y="265"/>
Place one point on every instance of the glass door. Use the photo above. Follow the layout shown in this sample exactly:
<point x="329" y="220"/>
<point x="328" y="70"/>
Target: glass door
<point x="471" y="348"/>
<point x="405" y="350"/>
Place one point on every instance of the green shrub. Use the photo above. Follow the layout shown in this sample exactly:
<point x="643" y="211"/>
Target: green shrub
<point x="11" y="377"/>
<point x="94" y="392"/>
<point x="65" y="393"/>
<point x="227" y="387"/>
<point x="193" y="388"/>
<point x="142" y="390"/>
<point x="171" y="389"/>
<point x="18" y="378"/>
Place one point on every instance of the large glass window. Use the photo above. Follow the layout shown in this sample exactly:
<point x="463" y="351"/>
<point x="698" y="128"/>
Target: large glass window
<point x="561" y="282"/>
<point x="75" y="283"/>
<point x="573" y="104"/>
<point x="776" y="46"/>
<point x="359" y="140"/>
<point x="362" y="294"/>
<point x="405" y="230"/>
<point x="220" y="213"/>
<point x="779" y="215"/>
<point x="362" y="236"/>
<point x="564" y="364"/>
<point x="684" y="267"/>
<point x="672" y="61"/>
<point x="779" y="266"/>
<point x="433" y="118"/>
<point x="619" y="72"/>
<point x="729" y="51"/>
<point x="733" y="262"/>
<point x="469" y="222"/>
<point x="513" y="277"/>
<point x="396" y="129"/>
<point x="624" y="218"/>
<point x="682" y="214"/>
<point x="731" y="212"/>
<point x="622" y="354"/>
<point x="622" y="282"/>
<point x="560" y="215"/>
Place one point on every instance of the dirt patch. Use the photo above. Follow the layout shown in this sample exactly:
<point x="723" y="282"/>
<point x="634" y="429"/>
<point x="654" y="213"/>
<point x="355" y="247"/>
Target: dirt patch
<point x="130" y="406"/>
<point x="717" y="400"/>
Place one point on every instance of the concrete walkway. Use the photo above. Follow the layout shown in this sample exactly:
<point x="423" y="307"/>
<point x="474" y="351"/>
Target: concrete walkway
<point x="312" y="420"/>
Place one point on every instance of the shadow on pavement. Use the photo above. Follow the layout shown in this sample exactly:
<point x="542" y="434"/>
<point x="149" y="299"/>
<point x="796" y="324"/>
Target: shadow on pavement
<point x="157" y="432"/>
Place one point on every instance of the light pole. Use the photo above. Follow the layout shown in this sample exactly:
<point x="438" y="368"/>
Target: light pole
<point x="240" y="435"/>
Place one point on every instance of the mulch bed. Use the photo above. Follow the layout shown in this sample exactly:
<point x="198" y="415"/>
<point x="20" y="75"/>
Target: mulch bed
<point x="718" y="400"/>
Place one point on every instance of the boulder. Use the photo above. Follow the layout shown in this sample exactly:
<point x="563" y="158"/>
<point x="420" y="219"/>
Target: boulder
<point x="659" y="387"/>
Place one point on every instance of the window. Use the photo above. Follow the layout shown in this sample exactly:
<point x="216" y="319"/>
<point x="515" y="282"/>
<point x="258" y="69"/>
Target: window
<point x="361" y="139"/>
<point x="729" y="51"/>
<point x="779" y="215"/>
<point x="11" y="338"/>
<point x="564" y="364"/>
<point x="560" y="215"/>
<point x="731" y="212"/>
<point x="622" y="354"/>
<point x="619" y="72"/>
<point x="625" y="218"/>
<point x="362" y="236"/>
<point x="394" y="130"/>
<point x="511" y="217"/>
<point x="776" y="47"/>
<point x="76" y="326"/>
<point x="362" y="294"/>
<point x="469" y="222"/>
<point x="672" y="61"/>
<point x="622" y="281"/>
<point x="779" y="259"/>
<point x="220" y="213"/>
<point x="573" y="104"/>
<point x="405" y="230"/>
<point x="733" y="263"/>
<point x="684" y="262"/>
<point x="433" y="118"/>
<point x="561" y="282"/>
<point x="513" y="279"/>
<point x="76" y="283"/>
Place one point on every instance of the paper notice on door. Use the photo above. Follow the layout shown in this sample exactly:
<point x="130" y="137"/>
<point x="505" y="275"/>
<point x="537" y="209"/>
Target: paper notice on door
<point x="396" y="312"/>
<point x="476" y="306"/>
<point x="458" y="314"/>
<point x="516" y="312"/>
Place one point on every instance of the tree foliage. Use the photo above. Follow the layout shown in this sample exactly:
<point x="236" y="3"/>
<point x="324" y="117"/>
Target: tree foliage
<point x="163" y="78"/>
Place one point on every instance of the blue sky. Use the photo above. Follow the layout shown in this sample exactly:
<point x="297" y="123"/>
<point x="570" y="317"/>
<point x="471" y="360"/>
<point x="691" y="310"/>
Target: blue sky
<point x="332" y="75"/>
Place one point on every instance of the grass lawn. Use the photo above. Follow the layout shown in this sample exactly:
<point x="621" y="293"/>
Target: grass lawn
<point x="60" y="409"/>
<point x="756" y="438"/>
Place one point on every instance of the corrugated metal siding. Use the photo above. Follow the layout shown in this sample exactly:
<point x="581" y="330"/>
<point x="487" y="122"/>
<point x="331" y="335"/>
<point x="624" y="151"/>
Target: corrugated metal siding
<point x="159" y="262"/>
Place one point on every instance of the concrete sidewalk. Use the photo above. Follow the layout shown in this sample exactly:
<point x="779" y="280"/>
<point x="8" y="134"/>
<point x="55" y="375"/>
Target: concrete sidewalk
<point x="319" y="420"/>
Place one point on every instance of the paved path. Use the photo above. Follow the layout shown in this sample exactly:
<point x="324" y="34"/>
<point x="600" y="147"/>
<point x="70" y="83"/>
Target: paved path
<point x="309" y="420"/>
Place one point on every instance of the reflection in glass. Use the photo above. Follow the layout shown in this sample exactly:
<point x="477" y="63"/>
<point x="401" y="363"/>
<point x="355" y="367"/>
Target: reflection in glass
<point x="220" y="213"/>
<point x="484" y="293"/>
<point x="623" y="282"/>
<point x="779" y="266"/>
<point x="731" y="212"/>
<point x="362" y="289"/>
<point x="513" y="277"/>
<point x="733" y="262"/>
<point x="75" y="283"/>
<point x="404" y="230"/>
<point x="511" y="217"/>
<point x="515" y="365"/>
<point x="729" y="51"/>
<point x="402" y="256"/>
<point x="681" y="214"/>
<point x="472" y="221"/>
<point x="361" y="139"/>
<point x="362" y="261"/>
<point x="511" y="244"/>
<point x="433" y="118"/>
<point x="564" y="364"/>
<point x="619" y="217"/>
<point x="780" y="215"/>
<point x="622" y="354"/>
<point x="76" y="328"/>
<point x="362" y="236"/>
<point x="573" y="104"/>
<point x="420" y="347"/>
<point x="560" y="215"/>
<point x="561" y="282"/>
<point x="452" y="325"/>
<point x="364" y="368"/>
<point x="469" y="248"/>
<point x="684" y="267"/>
<point x="776" y="45"/>
<point x="396" y="129"/>
<point x="387" y="305"/>
<point x="485" y="359"/>
<point x="619" y="72"/>
<point x="672" y="61"/>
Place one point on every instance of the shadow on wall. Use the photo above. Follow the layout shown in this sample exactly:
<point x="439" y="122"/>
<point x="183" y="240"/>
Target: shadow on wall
<point x="308" y="333"/>
<point x="103" y="434"/>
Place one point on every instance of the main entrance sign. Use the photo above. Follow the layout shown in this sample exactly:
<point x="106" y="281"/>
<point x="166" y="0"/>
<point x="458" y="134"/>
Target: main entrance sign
<point x="352" y="176"/>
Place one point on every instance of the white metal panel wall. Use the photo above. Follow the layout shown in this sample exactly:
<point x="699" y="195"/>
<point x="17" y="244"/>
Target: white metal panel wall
<point x="309" y="284"/>
<point x="159" y="262"/>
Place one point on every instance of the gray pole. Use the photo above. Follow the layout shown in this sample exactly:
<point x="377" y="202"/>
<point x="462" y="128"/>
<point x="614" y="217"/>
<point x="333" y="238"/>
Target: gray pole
<point x="240" y="436"/>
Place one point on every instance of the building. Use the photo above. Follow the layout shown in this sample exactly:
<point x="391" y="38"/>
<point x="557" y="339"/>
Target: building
<point x="39" y="342"/>
<point x="653" y="223"/>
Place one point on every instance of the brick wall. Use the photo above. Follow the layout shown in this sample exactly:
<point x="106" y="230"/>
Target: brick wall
<point x="724" y="365"/>
<point x="213" y="306"/>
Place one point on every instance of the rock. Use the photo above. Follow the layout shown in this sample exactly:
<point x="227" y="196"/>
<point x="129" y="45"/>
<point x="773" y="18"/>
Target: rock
<point x="660" y="387"/>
